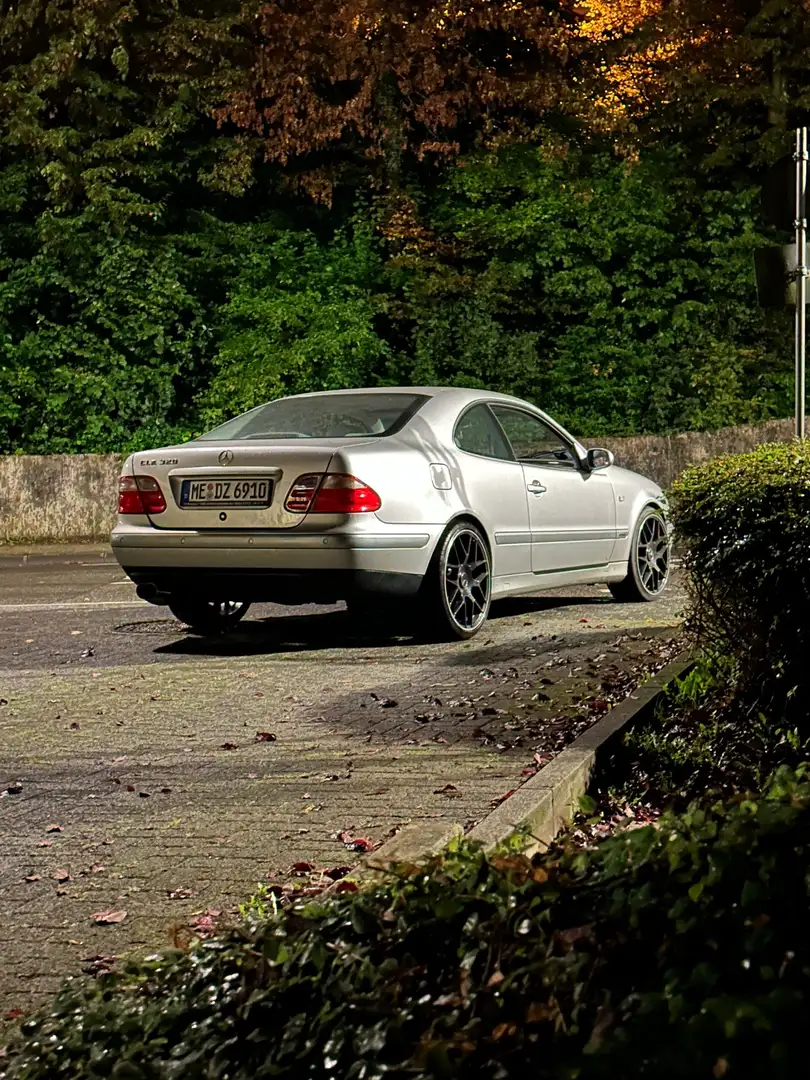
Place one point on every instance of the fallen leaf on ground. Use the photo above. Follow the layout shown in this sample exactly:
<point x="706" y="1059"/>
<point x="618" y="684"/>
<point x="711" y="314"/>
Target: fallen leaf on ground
<point x="105" y="917"/>
<point x="98" y="964"/>
<point x="54" y="828"/>
<point x="229" y="746"/>
<point x="302" y="867"/>
<point x="450" y="790"/>
<point x="180" y="894"/>
<point x="356" y="843"/>
<point x="264" y="736"/>
<point x="13" y="1014"/>
<point x="204" y="925"/>
<point x="337" y="872"/>
<point x="34" y="877"/>
<point x="385" y="702"/>
<point x="45" y="843"/>
<point x="61" y="875"/>
<point x="97" y="868"/>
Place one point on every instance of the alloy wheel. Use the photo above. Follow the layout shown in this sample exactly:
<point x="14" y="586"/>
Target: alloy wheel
<point x="466" y="580"/>
<point x="652" y="554"/>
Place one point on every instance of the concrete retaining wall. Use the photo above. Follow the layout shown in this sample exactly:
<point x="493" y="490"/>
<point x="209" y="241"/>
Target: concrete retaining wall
<point x="59" y="497"/>
<point x="664" y="457"/>
<point x="69" y="497"/>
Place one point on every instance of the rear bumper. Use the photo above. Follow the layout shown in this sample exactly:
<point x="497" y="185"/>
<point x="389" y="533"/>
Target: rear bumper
<point x="279" y="566"/>
<point x="276" y="586"/>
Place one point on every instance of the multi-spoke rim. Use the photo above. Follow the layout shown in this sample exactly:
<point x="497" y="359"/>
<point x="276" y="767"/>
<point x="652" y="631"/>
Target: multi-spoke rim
<point x="652" y="554"/>
<point x="466" y="580"/>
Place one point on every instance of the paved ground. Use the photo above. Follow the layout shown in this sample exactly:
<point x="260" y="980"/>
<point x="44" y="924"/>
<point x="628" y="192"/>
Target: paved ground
<point x="149" y="772"/>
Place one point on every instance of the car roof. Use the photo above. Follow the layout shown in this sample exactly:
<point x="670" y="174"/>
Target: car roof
<point x="459" y="394"/>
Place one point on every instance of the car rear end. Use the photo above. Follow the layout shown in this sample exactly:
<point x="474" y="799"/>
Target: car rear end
<point x="289" y="517"/>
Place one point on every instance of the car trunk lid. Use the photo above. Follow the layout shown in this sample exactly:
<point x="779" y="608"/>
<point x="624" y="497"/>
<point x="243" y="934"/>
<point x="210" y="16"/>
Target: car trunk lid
<point x="234" y="485"/>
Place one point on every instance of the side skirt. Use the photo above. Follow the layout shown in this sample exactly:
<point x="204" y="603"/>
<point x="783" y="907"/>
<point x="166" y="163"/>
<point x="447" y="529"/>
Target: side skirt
<point x="516" y="584"/>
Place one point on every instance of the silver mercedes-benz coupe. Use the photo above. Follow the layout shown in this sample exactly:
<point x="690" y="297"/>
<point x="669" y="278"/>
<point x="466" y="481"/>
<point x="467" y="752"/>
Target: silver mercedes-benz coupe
<point x="425" y="503"/>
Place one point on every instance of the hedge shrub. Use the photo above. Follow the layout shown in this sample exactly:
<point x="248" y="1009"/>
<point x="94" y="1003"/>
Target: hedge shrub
<point x="676" y="952"/>
<point x="744" y="523"/>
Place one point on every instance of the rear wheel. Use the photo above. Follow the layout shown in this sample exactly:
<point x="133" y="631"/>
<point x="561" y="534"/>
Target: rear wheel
<point x="456" y="593"/>
<point x="648" y="565"/>
<point x="208" y="617"/>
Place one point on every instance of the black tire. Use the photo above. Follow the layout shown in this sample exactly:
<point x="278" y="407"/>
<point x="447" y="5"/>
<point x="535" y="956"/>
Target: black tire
<point x="455" y="596"/>
<point x="209" y="618"/>
<point x="648" y="565"/>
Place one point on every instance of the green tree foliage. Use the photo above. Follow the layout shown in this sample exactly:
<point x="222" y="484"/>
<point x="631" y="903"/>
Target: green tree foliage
<point x="300" y="315"/>
<point x="616" y="294"/>
<point x="161" y="264"/>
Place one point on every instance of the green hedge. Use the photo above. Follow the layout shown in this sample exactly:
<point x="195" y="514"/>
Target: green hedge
<point x="676" y="952"/>
<point x="744" y="523"/>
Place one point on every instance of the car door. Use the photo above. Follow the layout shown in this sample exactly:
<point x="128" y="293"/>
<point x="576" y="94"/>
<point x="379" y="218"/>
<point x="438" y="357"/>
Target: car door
<point x="493" y="486"/>
<point x="572" y="512"/>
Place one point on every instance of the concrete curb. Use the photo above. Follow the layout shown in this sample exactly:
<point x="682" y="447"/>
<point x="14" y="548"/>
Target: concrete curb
<point x="413" y="844"/>
<point x="546" y="802"/>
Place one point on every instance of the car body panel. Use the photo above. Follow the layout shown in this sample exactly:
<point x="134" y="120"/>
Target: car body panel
<point x="577" y="530"/>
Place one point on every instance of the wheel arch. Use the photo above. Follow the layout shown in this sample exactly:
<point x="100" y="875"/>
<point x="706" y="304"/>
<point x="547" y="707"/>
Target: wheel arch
<point x="472" y="519"/>
<point x="457" y="518"/>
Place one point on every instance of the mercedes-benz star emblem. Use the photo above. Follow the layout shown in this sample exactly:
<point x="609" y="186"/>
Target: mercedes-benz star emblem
<point x="226" y="457"/>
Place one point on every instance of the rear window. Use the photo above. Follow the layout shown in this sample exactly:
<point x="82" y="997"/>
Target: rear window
<point x="322" y="416"/>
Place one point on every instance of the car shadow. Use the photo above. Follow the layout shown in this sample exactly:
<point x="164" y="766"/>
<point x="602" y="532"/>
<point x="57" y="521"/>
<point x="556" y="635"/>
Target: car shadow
<point x="337" y="629"/>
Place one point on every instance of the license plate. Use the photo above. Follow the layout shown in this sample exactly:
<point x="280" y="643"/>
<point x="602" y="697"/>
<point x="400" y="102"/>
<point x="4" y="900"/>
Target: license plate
<point x="232" y="492"/>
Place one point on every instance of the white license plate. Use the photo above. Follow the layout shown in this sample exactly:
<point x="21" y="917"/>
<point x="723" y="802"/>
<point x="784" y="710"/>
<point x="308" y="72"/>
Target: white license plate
<point x="235" y="491"/>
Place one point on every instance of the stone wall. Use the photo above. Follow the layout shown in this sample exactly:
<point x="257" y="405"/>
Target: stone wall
<point x="69" y="497"/>
<point x="58" y="498"/>
<point x="664" y="457"/>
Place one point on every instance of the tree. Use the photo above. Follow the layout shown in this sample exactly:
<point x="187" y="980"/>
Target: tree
<point x="336" y="83"/>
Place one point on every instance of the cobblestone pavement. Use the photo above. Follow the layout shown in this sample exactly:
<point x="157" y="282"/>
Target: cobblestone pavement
<point x="149" y="772"/>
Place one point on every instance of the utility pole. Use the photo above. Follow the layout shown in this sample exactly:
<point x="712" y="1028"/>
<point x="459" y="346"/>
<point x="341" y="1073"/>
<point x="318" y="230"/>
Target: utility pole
<point x="782" y="271"/>
<point x="802" y="272"/>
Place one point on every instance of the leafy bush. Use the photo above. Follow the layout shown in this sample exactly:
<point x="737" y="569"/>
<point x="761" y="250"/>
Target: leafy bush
<point x="677" y="952"/>
<point x="704" y="740"/>
<point x="744" y="522"/>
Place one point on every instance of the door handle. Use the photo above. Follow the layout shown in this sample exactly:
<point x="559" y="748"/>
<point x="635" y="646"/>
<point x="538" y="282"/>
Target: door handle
<point x="536" y="488"/>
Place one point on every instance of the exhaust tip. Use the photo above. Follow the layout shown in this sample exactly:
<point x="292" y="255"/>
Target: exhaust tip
<point x="150" y="592"/>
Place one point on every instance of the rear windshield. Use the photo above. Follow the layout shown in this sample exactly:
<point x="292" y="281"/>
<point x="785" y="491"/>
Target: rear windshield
<point x="322" y="416"/>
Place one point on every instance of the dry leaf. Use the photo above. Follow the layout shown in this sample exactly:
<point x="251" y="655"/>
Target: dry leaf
<point x="105" y="917"/>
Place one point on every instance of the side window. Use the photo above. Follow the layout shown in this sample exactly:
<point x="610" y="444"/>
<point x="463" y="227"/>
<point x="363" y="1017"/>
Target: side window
<point x="532" y="440"/>
<point x="477" y="433"/>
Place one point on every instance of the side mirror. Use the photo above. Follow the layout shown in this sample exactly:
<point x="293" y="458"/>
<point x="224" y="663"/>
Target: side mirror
<point x="599" y="459"/>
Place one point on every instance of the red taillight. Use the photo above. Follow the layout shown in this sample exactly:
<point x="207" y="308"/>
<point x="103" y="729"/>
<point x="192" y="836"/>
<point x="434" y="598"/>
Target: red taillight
<point x="302" y="493"/>
<point x="332" y="493"/>
<point x="140" y="495"/>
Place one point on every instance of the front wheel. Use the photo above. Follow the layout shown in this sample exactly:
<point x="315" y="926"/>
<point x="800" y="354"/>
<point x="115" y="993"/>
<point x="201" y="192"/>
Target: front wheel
<point x="648" y="565"/>
<point x="208" y="617"/>
<point x="457" y="590"/>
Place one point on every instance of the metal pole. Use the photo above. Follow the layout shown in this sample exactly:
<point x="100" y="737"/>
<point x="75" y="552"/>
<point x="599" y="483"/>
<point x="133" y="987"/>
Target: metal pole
<point x="802" y="272"/>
